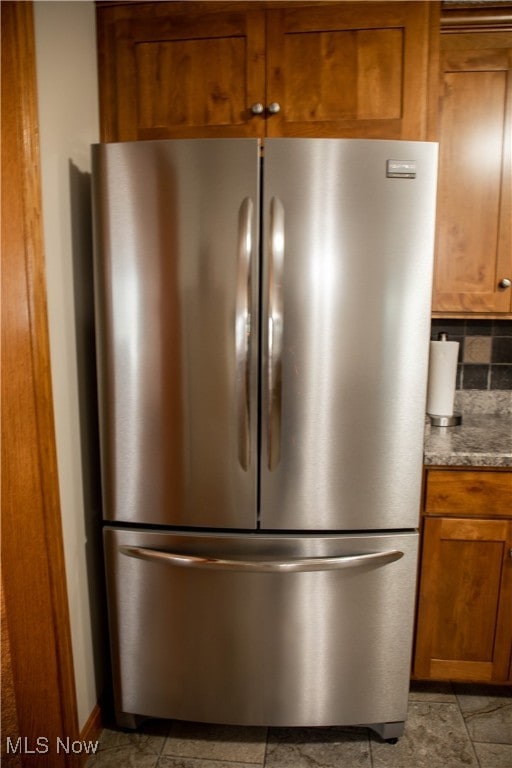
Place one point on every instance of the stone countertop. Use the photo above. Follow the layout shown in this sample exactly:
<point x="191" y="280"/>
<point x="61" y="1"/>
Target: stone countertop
<point x="480" y="441"/>
<point x="484" y="439"/>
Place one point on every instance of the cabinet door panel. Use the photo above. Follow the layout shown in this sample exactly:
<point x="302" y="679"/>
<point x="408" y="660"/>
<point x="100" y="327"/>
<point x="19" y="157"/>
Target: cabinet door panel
<point x="351" y="69"/>
<point x="194" y="83"/>
<point x="474" y="569"/>
<point x="341" y="81"/>
<point x="192" y="72"/>
<point x="464" y="618"/>
<point x="473" y="248"/>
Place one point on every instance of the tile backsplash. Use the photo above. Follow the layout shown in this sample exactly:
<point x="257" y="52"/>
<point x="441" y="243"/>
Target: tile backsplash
<point x="485" y="351"/>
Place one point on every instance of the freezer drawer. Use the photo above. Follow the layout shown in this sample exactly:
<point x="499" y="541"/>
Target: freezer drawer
<point x="261" y="629"/>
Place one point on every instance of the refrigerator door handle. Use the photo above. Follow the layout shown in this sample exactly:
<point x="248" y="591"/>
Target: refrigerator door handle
<point x="262" y="566"/>
<point x="243" y="330"/>
<point x="275" y="331"/>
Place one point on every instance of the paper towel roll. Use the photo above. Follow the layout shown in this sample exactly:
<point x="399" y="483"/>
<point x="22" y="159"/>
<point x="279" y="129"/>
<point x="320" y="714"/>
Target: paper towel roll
<point x="442" y="375"/>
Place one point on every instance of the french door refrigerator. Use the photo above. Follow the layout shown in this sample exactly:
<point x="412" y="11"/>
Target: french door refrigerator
<point x="262" y="335"/>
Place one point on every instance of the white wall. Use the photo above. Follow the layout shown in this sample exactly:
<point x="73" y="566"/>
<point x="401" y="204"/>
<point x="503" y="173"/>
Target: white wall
<point x="69" y="123"/>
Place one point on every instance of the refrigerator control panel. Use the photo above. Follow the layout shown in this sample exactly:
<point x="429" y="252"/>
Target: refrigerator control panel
<point x="401" y="169"/>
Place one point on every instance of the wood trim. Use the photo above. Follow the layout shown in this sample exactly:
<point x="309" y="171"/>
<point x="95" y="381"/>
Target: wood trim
<point x="9" y="714"/>
<point x="439" y="315"/>
<point x="228" y="5"/>
<point x="473" y="19"/>
<point x="33" y="568"/>
<point x="93" y="727"/>
<point x="448" y="669"/>
<point x="433" y="82"/>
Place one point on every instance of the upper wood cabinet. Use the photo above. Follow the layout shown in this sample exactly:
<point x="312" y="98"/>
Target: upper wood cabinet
<point x="349" y="69"/>
<point x="473" y="268"/>
<point x="177" y="69"/>
<point x="217" y="69"/>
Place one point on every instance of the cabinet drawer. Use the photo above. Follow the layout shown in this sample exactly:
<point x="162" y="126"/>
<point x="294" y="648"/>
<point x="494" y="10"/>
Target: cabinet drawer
<point x="469" y="492"/>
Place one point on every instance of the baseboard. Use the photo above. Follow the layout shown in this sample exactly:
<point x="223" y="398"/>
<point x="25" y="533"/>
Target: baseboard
<point x="93" y="727"/>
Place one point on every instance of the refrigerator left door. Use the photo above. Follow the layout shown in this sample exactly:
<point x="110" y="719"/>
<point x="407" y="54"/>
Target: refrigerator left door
<point x="176" y="243"/>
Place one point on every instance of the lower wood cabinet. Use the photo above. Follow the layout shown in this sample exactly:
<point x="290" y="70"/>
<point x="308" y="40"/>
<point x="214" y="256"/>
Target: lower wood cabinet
<point x="464" y="621"/>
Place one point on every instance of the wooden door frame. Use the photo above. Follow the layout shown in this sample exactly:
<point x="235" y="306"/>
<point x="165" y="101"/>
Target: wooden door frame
<point x="33" y="568"/>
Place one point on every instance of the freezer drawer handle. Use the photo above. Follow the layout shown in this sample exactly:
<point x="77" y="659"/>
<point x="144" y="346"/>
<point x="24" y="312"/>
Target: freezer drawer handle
<point x="243" y="331"/>
<point x="275" y="331"/>
<point x="263" y="566"/>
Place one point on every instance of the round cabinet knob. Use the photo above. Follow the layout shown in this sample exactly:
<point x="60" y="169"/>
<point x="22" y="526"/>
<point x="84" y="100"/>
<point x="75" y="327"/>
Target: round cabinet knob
<point x="274" y="108"/>
<point x="258" y="108"/>
<point x="505" y="282"/>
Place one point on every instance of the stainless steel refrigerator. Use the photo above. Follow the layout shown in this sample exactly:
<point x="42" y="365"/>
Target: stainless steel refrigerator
<point x="263" y="317"/>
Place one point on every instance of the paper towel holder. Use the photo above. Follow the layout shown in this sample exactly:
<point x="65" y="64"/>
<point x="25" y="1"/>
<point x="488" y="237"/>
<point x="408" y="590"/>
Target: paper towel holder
<point x="445" y="421"/>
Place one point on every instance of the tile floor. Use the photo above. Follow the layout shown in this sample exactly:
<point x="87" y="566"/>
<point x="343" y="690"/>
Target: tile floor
<point x="448" y="726"/>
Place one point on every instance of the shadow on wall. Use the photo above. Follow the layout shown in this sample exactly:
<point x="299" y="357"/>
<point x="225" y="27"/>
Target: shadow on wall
<point x="83" y="284"/>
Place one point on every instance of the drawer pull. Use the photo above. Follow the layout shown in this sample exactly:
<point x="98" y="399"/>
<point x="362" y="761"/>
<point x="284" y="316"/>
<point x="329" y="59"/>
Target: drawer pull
<point x="262" y="566"/>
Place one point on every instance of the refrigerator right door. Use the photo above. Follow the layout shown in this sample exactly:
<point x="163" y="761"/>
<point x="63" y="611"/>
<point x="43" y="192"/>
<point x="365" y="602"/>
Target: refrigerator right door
<point x="347" y="274"/>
